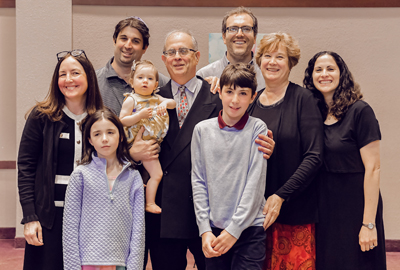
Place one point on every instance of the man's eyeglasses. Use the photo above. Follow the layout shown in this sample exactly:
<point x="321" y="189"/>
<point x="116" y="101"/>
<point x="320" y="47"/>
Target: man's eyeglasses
<point x="235" y="29"/>
<point x="75" y="53"/>
<point x="181" y="51"/>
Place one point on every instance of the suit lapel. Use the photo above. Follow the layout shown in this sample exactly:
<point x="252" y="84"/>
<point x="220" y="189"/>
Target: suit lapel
<point x="173" y="129"/>
<point x="179" y="138"/>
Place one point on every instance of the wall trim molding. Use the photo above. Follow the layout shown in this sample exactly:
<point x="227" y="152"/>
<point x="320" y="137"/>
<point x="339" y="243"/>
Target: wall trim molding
<point x="236" y="3"/>
<point x="7" y="233"/>
<point x="392" y="245"/>
<point x="8" y="164"/>
<point x="7" y="3"/>
<point x="19" y="242"/>
<point x="232" y="3"/>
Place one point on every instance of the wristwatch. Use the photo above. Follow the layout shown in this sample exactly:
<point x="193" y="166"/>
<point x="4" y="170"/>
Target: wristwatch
<point x="369" y="225"/>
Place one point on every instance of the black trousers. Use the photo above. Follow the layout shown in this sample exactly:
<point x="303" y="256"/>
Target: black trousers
<point x="248" y="253"/>
<point x="170" y="254"/>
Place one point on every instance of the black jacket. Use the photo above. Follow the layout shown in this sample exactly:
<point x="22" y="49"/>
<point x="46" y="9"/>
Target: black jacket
<point x="297" y="156"/>
<point x="37" y="163"/>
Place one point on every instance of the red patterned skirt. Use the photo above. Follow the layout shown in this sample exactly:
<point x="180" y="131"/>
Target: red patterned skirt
<point x="290" y="247"/>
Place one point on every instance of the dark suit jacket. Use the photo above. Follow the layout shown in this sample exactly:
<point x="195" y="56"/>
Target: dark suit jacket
<point x="174" y="194"/>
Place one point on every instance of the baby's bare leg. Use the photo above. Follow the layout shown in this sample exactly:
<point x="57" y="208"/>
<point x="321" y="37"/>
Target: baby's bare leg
<point x="153" y="167"/>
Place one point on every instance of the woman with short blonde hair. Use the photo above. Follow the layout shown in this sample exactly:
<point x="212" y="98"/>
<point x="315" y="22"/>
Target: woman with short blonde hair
<point x="290" y="111"/>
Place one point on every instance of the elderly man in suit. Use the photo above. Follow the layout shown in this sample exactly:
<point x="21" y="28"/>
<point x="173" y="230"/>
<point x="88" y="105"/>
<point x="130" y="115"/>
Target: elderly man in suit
<point x="172" y="232"/>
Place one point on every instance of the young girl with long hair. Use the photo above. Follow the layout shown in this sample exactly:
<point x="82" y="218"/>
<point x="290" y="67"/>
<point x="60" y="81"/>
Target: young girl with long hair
<point x="104" y="209"/>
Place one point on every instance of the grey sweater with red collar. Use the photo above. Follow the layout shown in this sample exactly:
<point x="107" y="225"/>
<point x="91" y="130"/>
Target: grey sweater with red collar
<point x="228" y="176"/>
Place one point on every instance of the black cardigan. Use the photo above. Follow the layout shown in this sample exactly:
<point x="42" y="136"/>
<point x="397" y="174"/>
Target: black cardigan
<point x="297" y="154"/>
<point x="37" y="163"/>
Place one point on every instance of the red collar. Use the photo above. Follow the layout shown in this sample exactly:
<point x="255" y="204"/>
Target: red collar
<point x="239" y="125"/>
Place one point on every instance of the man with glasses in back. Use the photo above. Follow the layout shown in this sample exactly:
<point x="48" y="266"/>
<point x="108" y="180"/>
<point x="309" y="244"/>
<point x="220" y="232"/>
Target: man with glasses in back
<point x="172" y="232"/>
<point x="131" y="40"/>
<point x="239" y="32"/>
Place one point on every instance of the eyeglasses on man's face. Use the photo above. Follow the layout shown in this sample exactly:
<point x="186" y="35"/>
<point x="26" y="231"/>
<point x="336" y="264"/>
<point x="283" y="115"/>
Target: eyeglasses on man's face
<point x="181" y="51"/>
<point x="75" y="53"/>
<point x="235" y="29"/>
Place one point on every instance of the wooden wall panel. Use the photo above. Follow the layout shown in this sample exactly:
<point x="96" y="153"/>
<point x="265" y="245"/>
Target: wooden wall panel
<point x="6" y="165"/>
<point x="231" y="3"/>
<point x="249" y="3"/>
<point x="7" y="3"/>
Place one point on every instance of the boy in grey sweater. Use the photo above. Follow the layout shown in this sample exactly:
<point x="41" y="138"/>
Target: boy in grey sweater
<point x="228" y="177"/>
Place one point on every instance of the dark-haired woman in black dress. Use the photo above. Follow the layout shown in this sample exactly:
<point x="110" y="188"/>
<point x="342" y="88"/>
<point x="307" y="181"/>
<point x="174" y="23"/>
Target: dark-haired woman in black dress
<point x="350" y="232"/>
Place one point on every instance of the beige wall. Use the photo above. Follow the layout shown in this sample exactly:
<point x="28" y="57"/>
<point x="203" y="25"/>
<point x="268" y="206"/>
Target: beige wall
<point x="8" y="195"/>
<point x="8" y="84"/>
<point x="366" y="38"/>
<point x="44" y="28"/>
<point x="7" y="116"/>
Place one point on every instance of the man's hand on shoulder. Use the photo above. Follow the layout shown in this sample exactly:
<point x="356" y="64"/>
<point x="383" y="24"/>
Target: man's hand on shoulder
<point x="214" y="82"/>
<point x="267" y="144"/>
